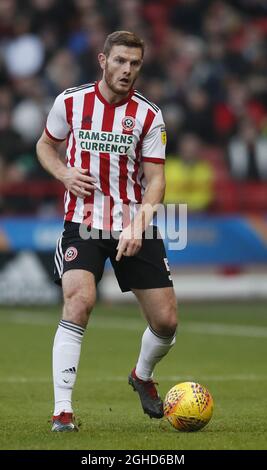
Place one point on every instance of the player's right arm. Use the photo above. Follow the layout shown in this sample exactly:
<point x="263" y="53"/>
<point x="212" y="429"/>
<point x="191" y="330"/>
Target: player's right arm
<point x="76" y="180"/>
<point x="57" y="129"/>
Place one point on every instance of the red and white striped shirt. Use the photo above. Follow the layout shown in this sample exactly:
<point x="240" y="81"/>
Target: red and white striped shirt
<point x="112" y="141"/>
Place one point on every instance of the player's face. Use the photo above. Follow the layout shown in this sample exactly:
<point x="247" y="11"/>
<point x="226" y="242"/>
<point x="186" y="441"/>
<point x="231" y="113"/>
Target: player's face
<point x="121" y="68"/>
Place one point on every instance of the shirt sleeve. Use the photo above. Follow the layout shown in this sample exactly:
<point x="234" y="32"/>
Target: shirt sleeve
<point x="154" y="143"/>
<point x="57" y="126"/>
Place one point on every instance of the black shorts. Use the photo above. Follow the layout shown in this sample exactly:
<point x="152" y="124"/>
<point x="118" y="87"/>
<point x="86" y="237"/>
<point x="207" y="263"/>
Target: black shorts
<point x="147" y="269"/>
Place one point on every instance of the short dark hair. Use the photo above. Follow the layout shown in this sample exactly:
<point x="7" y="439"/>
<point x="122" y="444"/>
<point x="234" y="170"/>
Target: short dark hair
<point x="123" y="38"/>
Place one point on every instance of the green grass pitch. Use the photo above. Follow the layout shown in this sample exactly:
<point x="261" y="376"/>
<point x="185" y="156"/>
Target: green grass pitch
<point x="221" y="345"/>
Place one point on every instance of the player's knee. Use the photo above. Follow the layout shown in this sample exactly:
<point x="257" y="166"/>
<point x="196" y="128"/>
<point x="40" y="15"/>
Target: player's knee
<point x="167" y="323"/>
<point x="171" y="316"/>
<point x="77" y="307"/>
<point x="167" y="328"/>
<point x="172" y="325"/>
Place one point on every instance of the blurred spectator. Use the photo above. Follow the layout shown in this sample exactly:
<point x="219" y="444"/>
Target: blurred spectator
<point x="187" y="15"/>
<point x="198" y="115"/>
<point x="28" y="120"/>
<point x="11" y="143"/>
<point x="7" y="13"/>
<point x="247" y="153"/>
<point x="189" y="178"/>
<point x="173" y="117"/>
<point x="62" y="72"/>
<point x="24" y="56"/>
<point x="239" y="104"/>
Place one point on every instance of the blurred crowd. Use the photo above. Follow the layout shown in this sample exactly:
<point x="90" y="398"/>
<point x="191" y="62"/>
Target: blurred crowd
<point x="205" y="66"/>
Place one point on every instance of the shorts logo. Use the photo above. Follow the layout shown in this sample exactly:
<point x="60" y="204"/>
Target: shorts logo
<point x="71" y="253"/>
<point x="128" y="123"/>
<point x="166" y="262"/>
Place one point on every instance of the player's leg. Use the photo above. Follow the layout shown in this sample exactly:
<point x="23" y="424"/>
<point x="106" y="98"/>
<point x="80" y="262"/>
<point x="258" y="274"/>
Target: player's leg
<point x="79" y="264"/>
<point x="160" y="310"/>
<point x="79" y="291"/>
<point x="147" y="274"/>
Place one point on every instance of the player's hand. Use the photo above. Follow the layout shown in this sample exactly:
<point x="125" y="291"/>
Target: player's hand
<point x="77" y="181"/>
<point x="130" y="242"/>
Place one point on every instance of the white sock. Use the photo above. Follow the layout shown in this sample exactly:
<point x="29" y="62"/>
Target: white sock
<point x="153" y="349"/>
<point x="66" y="355"/>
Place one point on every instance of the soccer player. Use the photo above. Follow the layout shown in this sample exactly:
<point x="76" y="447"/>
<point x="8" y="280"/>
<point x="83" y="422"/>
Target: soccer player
<point x="114" y="180"/>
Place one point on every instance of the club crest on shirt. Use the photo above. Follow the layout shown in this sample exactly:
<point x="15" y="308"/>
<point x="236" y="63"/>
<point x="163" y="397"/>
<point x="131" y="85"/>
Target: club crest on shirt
<point x="71" y="253"/>
<point x="128" y="123"/>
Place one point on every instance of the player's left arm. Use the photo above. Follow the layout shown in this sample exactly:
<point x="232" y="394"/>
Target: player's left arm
<point x="130" y="240"/>
<point x="153" y="196"/>
<point x="153" y="155"/>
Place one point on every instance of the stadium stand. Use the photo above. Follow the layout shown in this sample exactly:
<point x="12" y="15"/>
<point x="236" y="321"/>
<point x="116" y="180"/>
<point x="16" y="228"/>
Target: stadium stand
<point x="205" y="67"/>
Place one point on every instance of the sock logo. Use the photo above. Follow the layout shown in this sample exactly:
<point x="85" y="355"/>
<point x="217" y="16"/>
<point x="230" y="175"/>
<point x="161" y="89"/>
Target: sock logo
<point x="71" y="370"/>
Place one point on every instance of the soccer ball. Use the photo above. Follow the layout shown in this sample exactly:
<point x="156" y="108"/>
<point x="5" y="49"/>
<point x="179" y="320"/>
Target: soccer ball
<point x="188" y="406"/>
